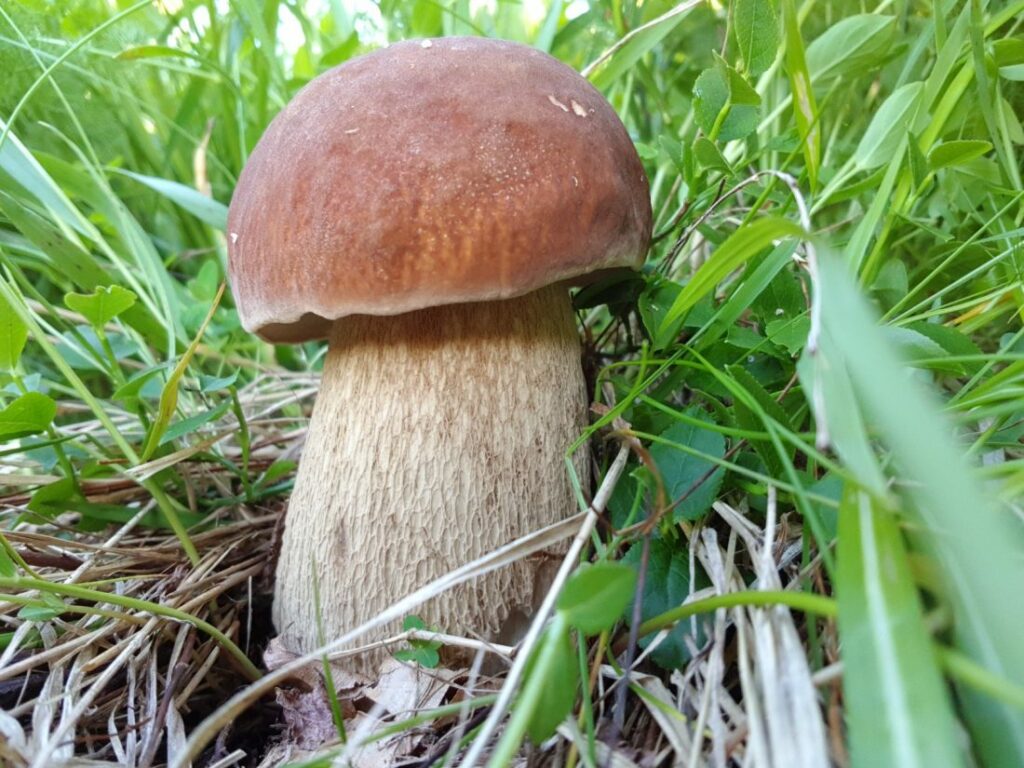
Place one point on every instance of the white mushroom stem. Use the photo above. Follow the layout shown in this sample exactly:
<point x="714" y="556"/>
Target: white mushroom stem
<point x="437" y="436"/>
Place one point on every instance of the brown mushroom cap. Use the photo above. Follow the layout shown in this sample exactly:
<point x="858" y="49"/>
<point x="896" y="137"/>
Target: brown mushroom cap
<point x="431" y="172"/>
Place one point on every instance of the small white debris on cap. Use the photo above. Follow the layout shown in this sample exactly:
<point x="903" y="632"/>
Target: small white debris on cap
<point x="427" y="44"/>
<point x="578" y="108"/>
<point x="234" y="238"/>
<point x="558" y="104"/>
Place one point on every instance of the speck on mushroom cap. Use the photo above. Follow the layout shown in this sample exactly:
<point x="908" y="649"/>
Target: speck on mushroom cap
<point x="431" y="172"/>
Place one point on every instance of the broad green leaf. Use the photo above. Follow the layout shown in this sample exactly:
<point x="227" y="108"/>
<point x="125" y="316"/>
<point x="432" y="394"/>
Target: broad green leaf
<point x="29" y="414"/>
<point x="898" y="711"/>
<point x="13" y="336"/>
<point x="685" y="467"/>
<point x="889" y="127"/>
<point x="981" y="572"/>
<point x="554" y="659"/>
<point x="824" y="377"/>
<point x="805" y="109"/>
<point x="199" y="205"/>
<point x="725" y="105"/>
<point x="741" y="245"/>
<point x="666" y="586"/>
<point x="853" y="45"/>
<point x="757" y="32"/>
<point x="596" y="595"/>
<point x="709" y="155"/>
<point x="956" y="152"/>
<point x="102" y="305"/>
<point x="1014" y="72"/>
<point x="791" y="334"/>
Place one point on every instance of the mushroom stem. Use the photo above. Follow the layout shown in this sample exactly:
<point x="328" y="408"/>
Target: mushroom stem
<point x="437" y="436"/>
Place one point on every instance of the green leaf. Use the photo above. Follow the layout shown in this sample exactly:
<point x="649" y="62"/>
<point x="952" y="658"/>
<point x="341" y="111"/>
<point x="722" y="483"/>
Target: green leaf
<point x="27" y="415"/>
<point x="209" y="384"/>
<point x="150" y="52"/>
<point x="7" y="566"/>
<point x="623" y="58"/>
<point x="745" y="242"/>
<point x="666" y="585"/>
<point x="133" y="388"/>
<point x="709" y="155"/>
<point x="725" y="105"/>
<point x="555" y="659"/>
<point x="898" y="711"/>
<point x="889" y="126"/>
<point x="199" y="205"/>
<point x="748" y="418"/>
<point x="791" y="333"/>
<point x="102" y="305"/>
<point x="192" y="423"/>
<point x="981" y="571"/>
<point x="654" y="303"/>
<point x="169" y="394"/>
<point x="13" y="335"/>
<point x="757" y="32"/>
<point x="48" y="607"/>
<point x="853" y="45"/>
<point x="956" y="152"/>
<point x="805" y="108"/>
<point x="682" y="468"/>
<point x="596" y="595"/>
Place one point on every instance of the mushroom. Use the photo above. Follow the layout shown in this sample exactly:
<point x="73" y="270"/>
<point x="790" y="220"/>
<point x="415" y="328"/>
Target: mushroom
<point x="424" y="208"/>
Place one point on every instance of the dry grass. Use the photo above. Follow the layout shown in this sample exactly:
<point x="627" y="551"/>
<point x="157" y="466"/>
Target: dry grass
<point x="102" y="684"/>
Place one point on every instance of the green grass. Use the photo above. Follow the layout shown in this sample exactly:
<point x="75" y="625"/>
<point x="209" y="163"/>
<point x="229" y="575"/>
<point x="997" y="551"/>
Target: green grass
<point x="826" y="340"/>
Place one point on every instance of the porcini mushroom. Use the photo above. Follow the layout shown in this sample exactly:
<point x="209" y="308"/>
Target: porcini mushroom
<point x="424" y="208"/>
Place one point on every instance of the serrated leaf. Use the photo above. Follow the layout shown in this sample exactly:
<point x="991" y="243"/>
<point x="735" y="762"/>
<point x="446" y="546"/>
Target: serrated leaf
<point x="13" y="336"/>
<point x="27" y="415"/>
<point x="689" y="471"/>
<point x="956" y="152"/>
<point x="102" y="305"/>
<point x="889" y="126"/>
<point x="790" y="334"/>
<point x="757" y="32"/>
<point x="596" y="595"/>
